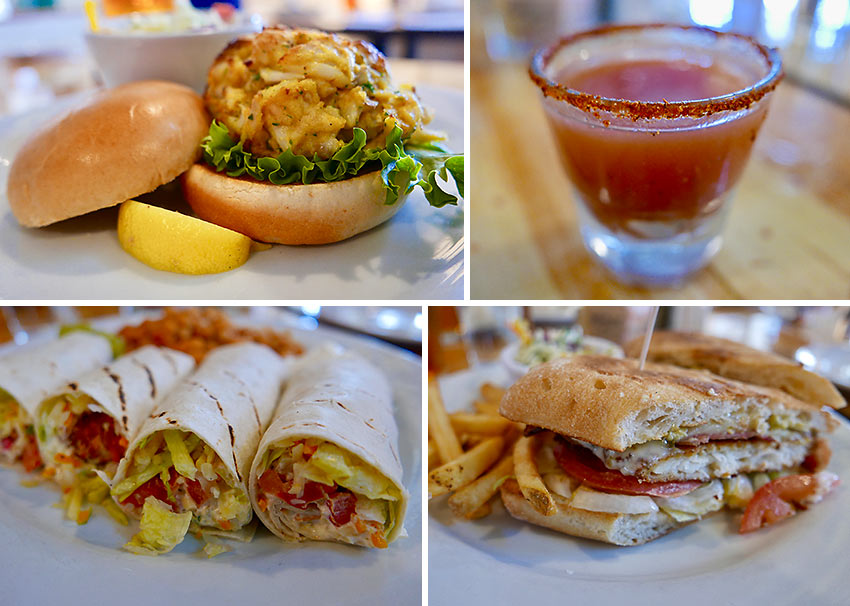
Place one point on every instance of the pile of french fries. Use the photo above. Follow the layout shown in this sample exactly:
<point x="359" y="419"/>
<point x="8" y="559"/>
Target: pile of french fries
<point x="469" y="454"/>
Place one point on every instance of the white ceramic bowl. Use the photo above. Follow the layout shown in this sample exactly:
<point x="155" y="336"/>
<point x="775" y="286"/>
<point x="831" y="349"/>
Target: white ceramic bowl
<point x="183" y="57"/>
<point x="518" y="369"/>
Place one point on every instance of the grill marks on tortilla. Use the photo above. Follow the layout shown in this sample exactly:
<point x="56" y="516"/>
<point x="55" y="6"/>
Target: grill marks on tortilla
<point x="121" y="397"/>
<point x="229" y="429"/>
<point x="247" y="395"/>
<point x="148" y="372"/>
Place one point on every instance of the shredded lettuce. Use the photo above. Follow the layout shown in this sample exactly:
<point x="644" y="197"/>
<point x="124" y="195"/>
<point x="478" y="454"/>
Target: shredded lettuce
<point x="161" y="529"/>
<point x="128" y="485"/>
<point x="401" y="170"/>
<point x="331" y="464"/>
<point x="117" y="342"/>
<point x="183" y="463"/>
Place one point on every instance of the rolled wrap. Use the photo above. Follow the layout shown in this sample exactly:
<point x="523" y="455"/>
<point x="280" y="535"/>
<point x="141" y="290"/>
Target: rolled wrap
<point x="127" y="390"/>
<point x="227" y="403"/>
<point x="29" y="375"/>
<point x="343" y="400"/>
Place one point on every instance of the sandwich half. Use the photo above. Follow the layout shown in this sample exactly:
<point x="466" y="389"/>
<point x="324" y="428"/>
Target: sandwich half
<point x="737" y="361"/>
<point x="628" y="455"/>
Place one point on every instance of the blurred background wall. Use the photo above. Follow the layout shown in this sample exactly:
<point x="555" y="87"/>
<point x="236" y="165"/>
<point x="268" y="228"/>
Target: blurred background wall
<point x="43" y="55"/>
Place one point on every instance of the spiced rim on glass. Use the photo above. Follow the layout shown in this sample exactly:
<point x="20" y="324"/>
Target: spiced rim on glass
<point x="654" y="125"/>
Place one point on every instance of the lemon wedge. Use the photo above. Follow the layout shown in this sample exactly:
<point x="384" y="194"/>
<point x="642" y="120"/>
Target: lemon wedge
<point x="171" y="241"/>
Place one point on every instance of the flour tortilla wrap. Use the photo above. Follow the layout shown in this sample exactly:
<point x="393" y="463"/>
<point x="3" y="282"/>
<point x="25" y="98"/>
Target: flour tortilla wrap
<point x="29" y="375"/>
<point x="340" y="406"/>
<point x="215" y="418"/>
<point x="72" y="425"/>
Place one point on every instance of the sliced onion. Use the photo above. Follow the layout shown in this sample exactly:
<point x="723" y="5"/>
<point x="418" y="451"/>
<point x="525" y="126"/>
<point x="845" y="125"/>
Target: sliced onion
<point x="559" y="483"/>
<point x="593" y="500"/>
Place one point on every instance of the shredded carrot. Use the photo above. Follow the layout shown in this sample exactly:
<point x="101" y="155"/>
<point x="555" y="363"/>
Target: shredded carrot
<point x="263" y="503"/>
<point x="378" y="540"/>
<point x="226" y="525"/>
<point x="66" y="490"/>
<point x="49" y="472"/>
<point x="83" y="516"/>
<point x="70" y="459"/>
<point x="122" y="442"/>
<point x="359" y="526"/>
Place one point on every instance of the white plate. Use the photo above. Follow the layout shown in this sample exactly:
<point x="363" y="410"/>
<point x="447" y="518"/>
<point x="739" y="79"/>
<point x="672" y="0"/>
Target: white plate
<point x="418" y="254"/>
<point x="47" y="560"/>
<point x="398" y="324"/>
<point x="500" y="560"/>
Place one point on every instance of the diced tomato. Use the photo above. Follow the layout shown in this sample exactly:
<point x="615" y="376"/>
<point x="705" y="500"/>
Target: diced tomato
<point x="342" y="508"/>
<point x="193" y="487"/>
<point x="225" y="525"/>
<point x="270" y="483"/>
<point x="94" y="439"/>
<point x="582" y="464"/>
<point x="30" y="457"/>
<point x="773" y="501"/>
<point x="309" y="451"/>
<point x="152" y="488"/>
<point x="263" y="503"/>
<point x="9" y="441"/>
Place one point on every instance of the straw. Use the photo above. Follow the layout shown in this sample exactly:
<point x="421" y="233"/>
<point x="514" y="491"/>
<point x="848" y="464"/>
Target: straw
<point x="648" y="335"/>
<point x="91" y="13"/>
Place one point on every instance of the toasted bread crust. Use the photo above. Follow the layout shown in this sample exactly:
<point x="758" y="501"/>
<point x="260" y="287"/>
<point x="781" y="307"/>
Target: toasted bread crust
<point x="615" y="528"/>
<point x="612" y="403"/>
<point x="737" y="361"/>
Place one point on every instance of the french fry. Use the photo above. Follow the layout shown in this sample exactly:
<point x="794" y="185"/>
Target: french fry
<point x="486" y="407"/>
<point x="471" y="440"/>
<point x="464" y="469"/>
<point x="487" y="425"/>
<point x="448" y="445"/>
<point x="485" y="510"/>
<point x="528" y="477"/>
<point x="468" y="500"/>
<point x="492" y="393"/>
<point x="433" y="455"/>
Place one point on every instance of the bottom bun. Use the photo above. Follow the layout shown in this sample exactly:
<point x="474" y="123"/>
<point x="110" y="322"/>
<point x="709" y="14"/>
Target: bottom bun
<point x="319" y="213"/>
<point x="617" y="528"/>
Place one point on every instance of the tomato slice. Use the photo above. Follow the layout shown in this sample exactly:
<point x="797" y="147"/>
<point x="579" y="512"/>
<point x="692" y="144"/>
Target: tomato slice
<point x="772" y="502"/>
<point x="582" y="464"/>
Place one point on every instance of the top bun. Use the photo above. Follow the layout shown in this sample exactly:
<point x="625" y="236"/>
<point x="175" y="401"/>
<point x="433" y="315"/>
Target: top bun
<point x="126" y="142"/>
<point x="737" y="361"/>
<point x="614" y="404"/>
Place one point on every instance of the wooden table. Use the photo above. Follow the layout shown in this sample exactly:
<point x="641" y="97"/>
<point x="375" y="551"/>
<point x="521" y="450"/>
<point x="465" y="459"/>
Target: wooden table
<point x="787" y="237"/>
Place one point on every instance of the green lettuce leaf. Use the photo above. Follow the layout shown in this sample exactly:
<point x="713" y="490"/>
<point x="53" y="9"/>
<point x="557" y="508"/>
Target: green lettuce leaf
<point x="116" y="341"/>
<point x="401" y="169"/>
<point x="161" y="529"/>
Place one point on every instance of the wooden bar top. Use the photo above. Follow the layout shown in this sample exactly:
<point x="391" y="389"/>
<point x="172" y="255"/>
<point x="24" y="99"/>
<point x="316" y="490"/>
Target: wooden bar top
<point x="787" y="237"/>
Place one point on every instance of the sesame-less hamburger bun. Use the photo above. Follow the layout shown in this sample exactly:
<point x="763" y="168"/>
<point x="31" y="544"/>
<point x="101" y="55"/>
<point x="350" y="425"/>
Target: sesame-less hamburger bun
<point x="319" y="213"/>
<point x="123" y="143"/>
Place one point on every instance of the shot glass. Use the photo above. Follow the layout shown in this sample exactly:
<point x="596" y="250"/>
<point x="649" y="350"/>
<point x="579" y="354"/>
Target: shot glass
<point x="654" y="125"/>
